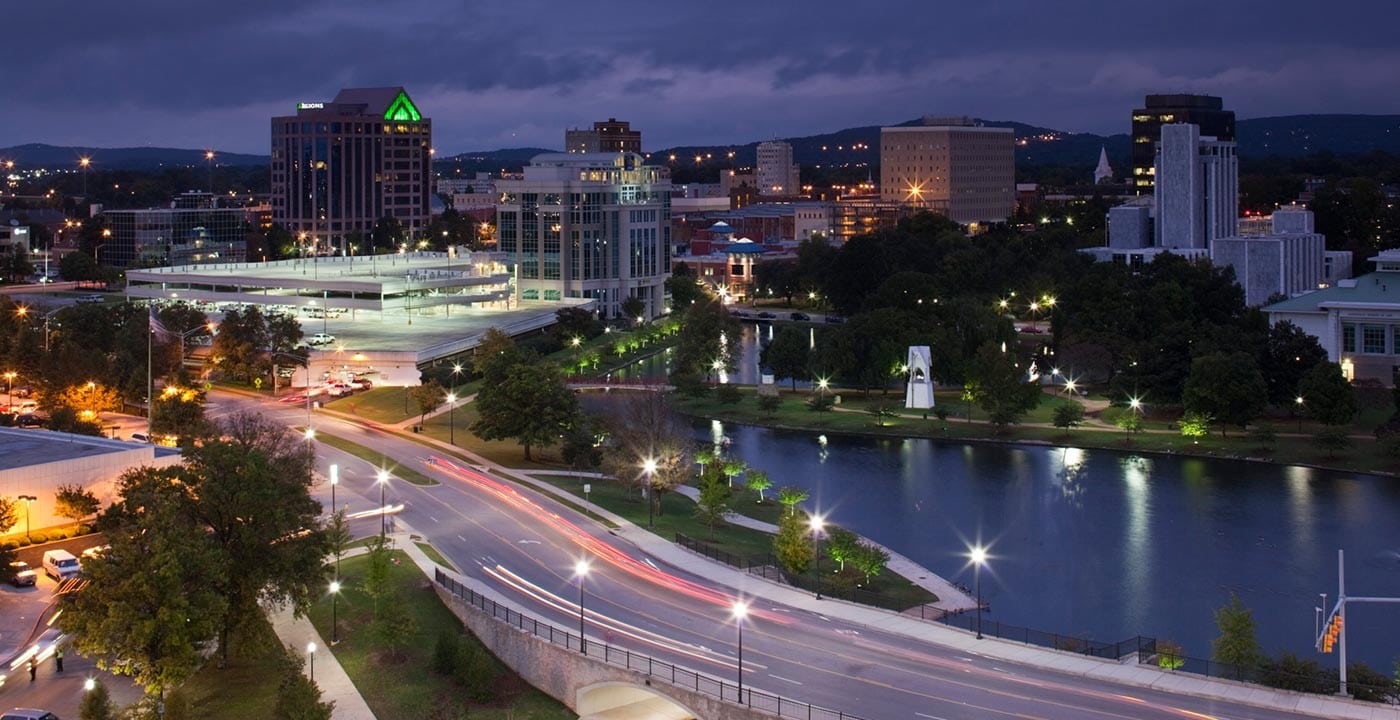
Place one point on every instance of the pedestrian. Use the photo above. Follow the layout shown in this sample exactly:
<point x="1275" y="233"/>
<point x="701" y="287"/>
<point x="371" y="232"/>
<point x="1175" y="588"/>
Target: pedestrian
<point x="58" y="658"/>
<point x="33" y="668"/>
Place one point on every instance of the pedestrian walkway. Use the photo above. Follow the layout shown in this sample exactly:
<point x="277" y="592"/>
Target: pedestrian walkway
<point x="330" y="676"/>
<point x="951" y="598"/>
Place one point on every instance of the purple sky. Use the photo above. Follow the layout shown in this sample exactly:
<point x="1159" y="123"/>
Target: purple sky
<point x="505" y="74"/>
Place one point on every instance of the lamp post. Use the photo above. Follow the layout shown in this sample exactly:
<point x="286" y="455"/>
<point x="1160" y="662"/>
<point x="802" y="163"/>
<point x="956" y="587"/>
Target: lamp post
<point x="84" y="163"/>
<point x="383" y="516"/>
<point x="979" y="557"/>
<point x="335" y="597"/>
<point x="9" y="386"/>
<point x="1298" y="407"/>
<point x="740" y="609"/>
<point x="581" y="572"/>
<point x="311" y="658"/>
<point x="27" y="499"/>
<point x="209" y="155"/>
<point x="452" y="418"/>
<point x="649" y="469"/>
<point x="817" y="522"/>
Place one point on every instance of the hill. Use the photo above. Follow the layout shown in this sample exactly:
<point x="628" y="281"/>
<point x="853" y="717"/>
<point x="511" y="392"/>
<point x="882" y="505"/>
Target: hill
<point x="137" y="158"/>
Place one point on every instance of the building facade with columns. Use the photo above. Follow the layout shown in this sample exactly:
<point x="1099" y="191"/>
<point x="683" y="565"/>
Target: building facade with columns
<point x="1357" y="321"/>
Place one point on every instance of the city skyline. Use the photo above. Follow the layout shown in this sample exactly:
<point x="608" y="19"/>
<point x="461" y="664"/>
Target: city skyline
<point x="711" y="75"/>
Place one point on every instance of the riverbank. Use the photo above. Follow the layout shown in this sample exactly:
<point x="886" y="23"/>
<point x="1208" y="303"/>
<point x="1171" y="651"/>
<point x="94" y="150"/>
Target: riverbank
<point x="878" y="415"/>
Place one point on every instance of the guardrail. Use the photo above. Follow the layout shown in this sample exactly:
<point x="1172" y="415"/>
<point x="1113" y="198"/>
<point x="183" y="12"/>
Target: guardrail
<point x="659" y="669"/>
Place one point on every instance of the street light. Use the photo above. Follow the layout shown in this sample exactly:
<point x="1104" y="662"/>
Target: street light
<point x="580" y="572"/>
<point x="649" y="467"/>
<point x="1298" y="403"/>
<point x="209" y="155"/>
<point x="335" y="597"/>
<point x="383" y="516"/>
<point x="740" y="609"/>
<point x="817" y="522"/>
<point x="979" y="558"/>
<point x="26" y="499"/>
<point x="451" y="418"/>
<point x="311" y="656"/>
<point x="9" y="383"/>
<point x="84" y="163"/>
<point x="335" y="480"/>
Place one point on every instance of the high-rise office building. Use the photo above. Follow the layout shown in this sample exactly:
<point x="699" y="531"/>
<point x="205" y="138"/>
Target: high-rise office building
<point x="1197" y="193"/>
<point x="776" y="173"/>
<point x="192" y="230"/>
<point x="590" y="225"/>
<point x="340" y="166"/>
<point x="951" y="166"/>
<point x="1204" y="111"/>
<point x="611" y="136"/>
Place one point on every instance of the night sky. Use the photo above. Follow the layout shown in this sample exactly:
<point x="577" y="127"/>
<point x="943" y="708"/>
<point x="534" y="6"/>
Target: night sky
<point x="508" y="74"/>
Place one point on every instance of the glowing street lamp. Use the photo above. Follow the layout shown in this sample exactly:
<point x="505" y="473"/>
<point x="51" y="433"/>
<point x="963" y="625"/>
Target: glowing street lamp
<point x="979" y="558"/>
<point x="27" y="500"/>
<point x="649" y="468"/>
<point x="823" y="384"/>
<point x="817" y="523"/>
<point x="84" y="163"/>
<point x="1298" y="406"/>
<point x="581" y="572"/>
<point x="209" y="155"/>
<point x="335" y="597"/>
<point x="311" y="657"/>
<point x="9" y="383"/>
<point x="740" y="611"/>
<point x="383" y="515"/>
<point x="1069" y="387"/>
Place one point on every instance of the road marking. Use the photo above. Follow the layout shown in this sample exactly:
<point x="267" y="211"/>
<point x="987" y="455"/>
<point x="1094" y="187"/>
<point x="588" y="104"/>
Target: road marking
<point x="527" y="542"/>
<point x="779" y="677"/>
<point x="459" y="537"/>
<point x="430" y="517"/>
<point x="930" y="717"/>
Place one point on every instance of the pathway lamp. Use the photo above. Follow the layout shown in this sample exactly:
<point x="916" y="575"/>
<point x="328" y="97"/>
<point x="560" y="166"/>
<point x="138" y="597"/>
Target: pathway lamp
<point x="451" y="418"/>
<point x="335" y="597"/>
<point x="27" y="500"/>
<point x="383" y="514"/>
<point x="311" y="658"/>
<point x="817" y="524"/>
<point x="649" y="469"/>
<point x="9" y="386"/>
<point x="1298" y="407"/>
<point x="979" y="558"/>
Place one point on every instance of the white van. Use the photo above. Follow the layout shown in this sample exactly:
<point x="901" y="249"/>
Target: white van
<point x="61" y="565"/>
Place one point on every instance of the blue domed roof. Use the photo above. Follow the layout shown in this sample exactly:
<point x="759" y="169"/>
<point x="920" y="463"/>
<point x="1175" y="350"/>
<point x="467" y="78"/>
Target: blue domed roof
<point x="744" y="246"/>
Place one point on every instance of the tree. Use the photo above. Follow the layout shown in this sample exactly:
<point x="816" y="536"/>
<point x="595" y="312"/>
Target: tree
<point x="1236" y="644"/>
<point x="581" y="444"/>
<point x="430" y="396"/>
<point x="1327" y="396"/>
<point x="791" y="545"/>
<point x="179" y="412"/>
<point x="97" y="704"/>
<point x="1228" y="386"/>
<point x="789" y="355"/>
<point x="533" y="406"/>
<point x="1130" y="422"/>
<point x="1068" y="414"/>
<point x="298" y="698"/>
<point x="791" y="496"/>
<point x="75" y="502"/>
<point x="999" y="387"/>
<point x="633" y="307"/>
<point x="238" y="347"/>
<point x="78" y="266"/>
<point x="734" y="467"/>
<point x="685" y="289"/>
<point x="769" y="404"/>
<point x="1332" y="439"/>
<point x="758" y="481"/>
<point x="1289" y="353"/>
<point x="708" y="338"/>
<point x="713" y="503"/>
<point x="869" y="559"/>
<point x="254" y="503"/>
<point x="841" y="545"/>
<point x="706" y="455"/>
<point x="152" y="599"/>
<point x="387" y="233"/>
<point x="643" y="428"/>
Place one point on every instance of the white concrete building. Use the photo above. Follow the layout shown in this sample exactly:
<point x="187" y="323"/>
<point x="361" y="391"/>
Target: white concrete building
<point x="1289" y="260"/>
<point x="1357" y="321"/>
<point x="594" y="225"/>
<point x="1196" y="196"/>
<point x="777" y="174"/>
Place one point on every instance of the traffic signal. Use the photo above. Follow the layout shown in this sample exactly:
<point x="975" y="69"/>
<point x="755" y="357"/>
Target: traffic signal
<point x="1334" y="629"/>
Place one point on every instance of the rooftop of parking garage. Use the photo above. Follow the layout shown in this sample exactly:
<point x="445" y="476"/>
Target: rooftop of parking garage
<point x="364" y="274"/>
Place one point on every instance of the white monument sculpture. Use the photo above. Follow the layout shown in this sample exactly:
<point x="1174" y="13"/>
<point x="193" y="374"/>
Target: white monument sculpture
<point x="918" y="394"/>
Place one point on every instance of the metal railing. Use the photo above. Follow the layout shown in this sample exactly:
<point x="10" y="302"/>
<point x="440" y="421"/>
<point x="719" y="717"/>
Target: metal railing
<point x="670" y="673"/>
<point x="1143" y="647"/>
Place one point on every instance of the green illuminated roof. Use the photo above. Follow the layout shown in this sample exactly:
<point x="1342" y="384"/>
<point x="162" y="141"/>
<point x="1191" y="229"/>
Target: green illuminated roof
<point x="402" y="109"/>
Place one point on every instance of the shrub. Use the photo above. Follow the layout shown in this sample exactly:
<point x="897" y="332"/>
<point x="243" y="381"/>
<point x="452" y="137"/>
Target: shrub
<point x="477" y="672"/>
<point x="728" y="394"/>
<point x="1291" y="672"/>
<point x="1369" y="685"/>
<point x="1169" y="655"/>
<point x="820" y="403"/>
<point x="445" y="653"/>
<point x="1263" y="436"/>
<point x="769" y="403"/>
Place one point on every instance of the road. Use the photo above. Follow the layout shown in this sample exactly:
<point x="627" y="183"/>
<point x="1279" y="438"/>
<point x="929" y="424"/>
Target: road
<point x="526" y="546"/>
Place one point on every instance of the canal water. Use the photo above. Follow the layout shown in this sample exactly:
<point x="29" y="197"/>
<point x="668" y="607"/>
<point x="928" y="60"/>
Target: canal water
<point x="1105" y="544"/>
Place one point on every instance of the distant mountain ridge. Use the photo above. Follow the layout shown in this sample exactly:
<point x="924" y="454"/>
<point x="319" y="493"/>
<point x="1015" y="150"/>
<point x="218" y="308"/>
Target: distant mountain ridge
<point x="131" y="158"/>
<point x="1288" y="136"/>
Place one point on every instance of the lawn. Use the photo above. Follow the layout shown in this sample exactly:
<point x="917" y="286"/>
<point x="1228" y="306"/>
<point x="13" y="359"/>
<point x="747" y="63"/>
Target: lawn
<point x="504" y="452"/>
<point x="386" y="405"/>
<point x="375" y="457"/>
<point x="678" y="516"/>
<point x="408" y="688"/>
<point x="246" y="688"/>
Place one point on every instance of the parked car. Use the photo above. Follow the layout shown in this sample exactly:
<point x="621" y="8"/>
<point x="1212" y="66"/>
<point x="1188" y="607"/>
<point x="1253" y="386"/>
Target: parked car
<point x="767" y="315"/>
<point x="89" y="299"/>
<point x="140" y="437"/>
<point x="95" y="551"/>
<point x="29" y="420"/>
<point x="800" y="316"/>
<point x="321" y="339"/>
<point x="835" y="319"/>
<point x="1030" y="329"/>
<point x="25" y="408"/>
<point x="21" y="575"/>
<point x="61" y="565"/>
<point x="28" y="714"/>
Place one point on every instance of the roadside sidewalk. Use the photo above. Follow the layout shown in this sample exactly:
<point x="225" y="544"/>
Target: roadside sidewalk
<point x="330" y="676"/>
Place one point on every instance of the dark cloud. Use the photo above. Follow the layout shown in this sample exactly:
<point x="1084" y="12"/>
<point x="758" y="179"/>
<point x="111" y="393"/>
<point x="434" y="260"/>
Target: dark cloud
<point x="516" y="73"/>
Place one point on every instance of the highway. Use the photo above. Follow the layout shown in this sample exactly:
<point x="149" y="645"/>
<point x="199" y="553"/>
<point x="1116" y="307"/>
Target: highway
<point x="526" y="545"/>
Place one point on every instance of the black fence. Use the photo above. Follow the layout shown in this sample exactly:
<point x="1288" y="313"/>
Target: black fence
<point x="660" y="670"/>
<point x="1143" y="647"/>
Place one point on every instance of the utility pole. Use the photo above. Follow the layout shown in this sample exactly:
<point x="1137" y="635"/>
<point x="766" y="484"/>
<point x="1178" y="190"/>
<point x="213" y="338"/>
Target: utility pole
<point x="1333" y="632"/>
